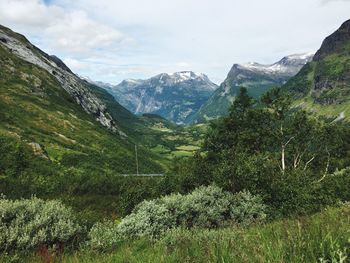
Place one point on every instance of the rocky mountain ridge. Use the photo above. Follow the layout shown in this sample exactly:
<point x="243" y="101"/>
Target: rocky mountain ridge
<point x="257" y="78"/>
<point x="175" y="96"/>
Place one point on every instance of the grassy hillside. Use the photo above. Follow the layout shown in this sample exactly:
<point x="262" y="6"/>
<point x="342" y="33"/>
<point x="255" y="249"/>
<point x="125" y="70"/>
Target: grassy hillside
<point x="36" y="109"/>
<point x="322" y="237"/>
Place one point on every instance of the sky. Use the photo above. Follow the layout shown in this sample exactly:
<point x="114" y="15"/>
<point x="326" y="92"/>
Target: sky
<point x="113" y="40"/>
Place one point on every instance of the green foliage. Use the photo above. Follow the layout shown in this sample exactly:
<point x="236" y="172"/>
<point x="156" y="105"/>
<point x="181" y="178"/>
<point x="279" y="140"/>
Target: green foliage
<point x="275" y="151"/>
<point x="335" y="187"/>
<point x="205" y="207"/>
<point x="242" y="102"/>
<point x="322" y="237"/>
<point x="325" y="80"/>
<point x="83" y="158"/>
<point x="295" y="240"/>
<point x="247" y="208"/>
<point x="148" y="219"/>
<point x="29" y="224"/>
<point x="104" y="236"/>
<point x="301" y="84"/>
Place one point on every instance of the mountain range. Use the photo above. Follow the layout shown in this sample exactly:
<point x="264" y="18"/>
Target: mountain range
<point x="176" y="97"/>
<point x="56" y="112"/>
<point x="257" y="78"/>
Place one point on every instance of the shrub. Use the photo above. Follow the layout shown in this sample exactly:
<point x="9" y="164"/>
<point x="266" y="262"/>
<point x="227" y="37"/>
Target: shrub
<point x="31" y="223"/>
<point x="205" y="207"/>
<point x="247" y="208"/>
<point x="104" y="236"/>
<point x="148" y="219"/>
<point x="336" y="185"/>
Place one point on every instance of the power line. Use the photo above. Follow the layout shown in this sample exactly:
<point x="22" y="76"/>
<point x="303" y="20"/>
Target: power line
<point x="137" y="161"/>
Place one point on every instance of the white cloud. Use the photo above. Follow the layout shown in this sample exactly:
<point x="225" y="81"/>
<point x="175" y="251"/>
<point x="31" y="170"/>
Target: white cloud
<point x="77" y="33"/>
<point x="115" y="39"/>
<point x="58" y="29"/>
<point x="183" y="64"/>
<point x="329" y="1"/>
<point x="76" y="65"/>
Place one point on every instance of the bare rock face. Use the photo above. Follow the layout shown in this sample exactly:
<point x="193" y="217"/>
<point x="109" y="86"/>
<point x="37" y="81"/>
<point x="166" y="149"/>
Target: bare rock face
<point x="60" y="63"/>
<point x="71" y="83"/>
<point x="332" y="71"/>
<point x="335" y="42"/>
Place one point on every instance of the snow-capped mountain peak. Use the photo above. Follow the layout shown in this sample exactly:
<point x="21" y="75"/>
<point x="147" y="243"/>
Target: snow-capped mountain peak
<point x="257" y="78"/>
<point x="176" y="96"/>
<point x="289" y="64"/>
<point x="181" y="76"/>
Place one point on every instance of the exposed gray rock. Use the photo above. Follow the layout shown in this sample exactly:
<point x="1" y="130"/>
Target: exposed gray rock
<point x="334" y="42"/>
<point x="69" y="81"/>
<point x="340" y="117"/>
<point x="60" y="63"/>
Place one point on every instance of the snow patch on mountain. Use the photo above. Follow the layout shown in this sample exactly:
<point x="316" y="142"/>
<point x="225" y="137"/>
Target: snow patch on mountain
<point x="256" y="77"/>
<point x="176" y="96"/>
<point x="288" y="64"/>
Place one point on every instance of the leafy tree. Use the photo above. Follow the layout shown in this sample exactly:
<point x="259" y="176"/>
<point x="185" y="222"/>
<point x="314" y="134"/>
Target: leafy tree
<point x="275" y="150"/>
<point x="242" y="102"/>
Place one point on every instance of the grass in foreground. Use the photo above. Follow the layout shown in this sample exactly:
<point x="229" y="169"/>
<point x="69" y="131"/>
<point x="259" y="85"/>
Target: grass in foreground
<point x="323" y="237"/>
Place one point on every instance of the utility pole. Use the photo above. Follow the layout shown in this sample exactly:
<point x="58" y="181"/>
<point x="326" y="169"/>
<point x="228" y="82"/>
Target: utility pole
<point x="137" y="161"/>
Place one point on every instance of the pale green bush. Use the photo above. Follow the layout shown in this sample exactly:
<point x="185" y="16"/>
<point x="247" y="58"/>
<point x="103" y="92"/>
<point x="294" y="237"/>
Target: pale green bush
<point x="205" y="207"/>
<point x="30" y="223"/>
<point x="247" y="208"/>
<point x="104" y="236"/>
<point x="150" y="218"/>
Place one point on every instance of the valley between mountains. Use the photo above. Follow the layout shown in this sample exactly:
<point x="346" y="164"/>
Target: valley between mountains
<point x="253" y="169"/>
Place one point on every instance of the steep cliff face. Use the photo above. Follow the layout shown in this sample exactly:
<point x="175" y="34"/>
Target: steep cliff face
<point x="336" y="43"/>
<point x="257" y="78"/>
<point x="23" y="49"/>
<point x="332" y="59"/>
<point x="325" y="81"/>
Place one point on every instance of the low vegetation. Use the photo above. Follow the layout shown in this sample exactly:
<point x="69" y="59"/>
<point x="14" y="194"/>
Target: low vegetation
<point x="31" y="224"/>
<point x="323" y="237"/>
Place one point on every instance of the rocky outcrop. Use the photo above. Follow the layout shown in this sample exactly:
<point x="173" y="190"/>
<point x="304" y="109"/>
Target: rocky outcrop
<point x="38" y="150"/>
<point x="335" y="42"/>
<point x="60" y="63"/>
